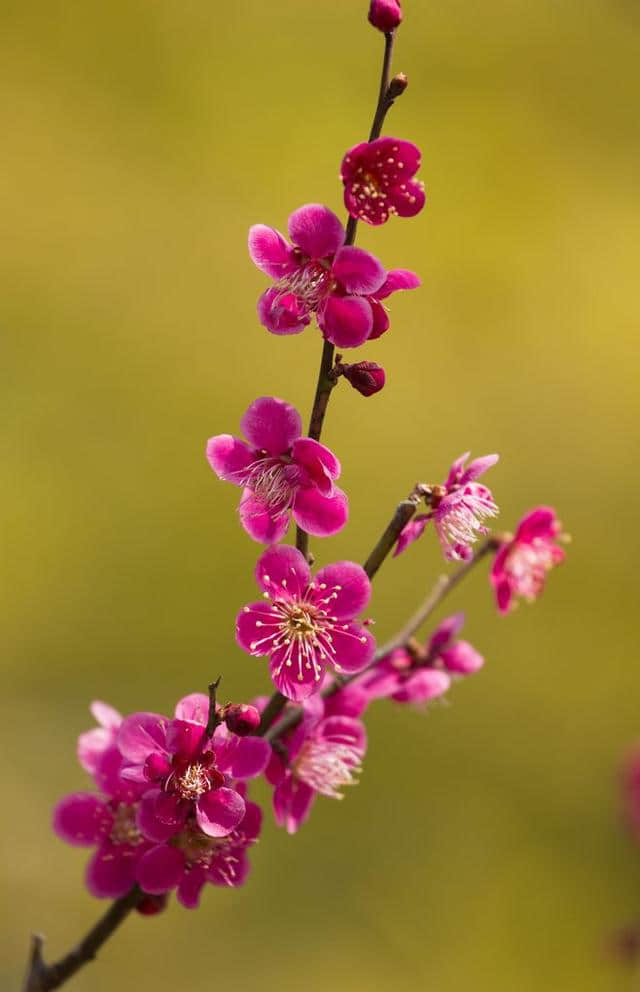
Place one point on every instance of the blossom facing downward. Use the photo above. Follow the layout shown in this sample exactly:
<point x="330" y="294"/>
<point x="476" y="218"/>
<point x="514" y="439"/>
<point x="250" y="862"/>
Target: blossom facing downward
<point x="385" y="15"/>
<point x="458" y="509"/>
<point x="318" y="274"/>
<point x="379" y="182"/>
<point x="368" y="378"/>
<point x="419" y="673"/>
<point x="320" y="756"/>
<point x="281" y="473"/>
<point x="521" y="565"/>
<point x="306" y="625"/>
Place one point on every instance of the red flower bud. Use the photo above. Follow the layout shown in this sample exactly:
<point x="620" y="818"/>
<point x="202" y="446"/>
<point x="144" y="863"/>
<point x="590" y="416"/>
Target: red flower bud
<point x="385" y="14"/>
<point x="150" y="905"/>
<point x="241" y="719"/>
<point x="367" y="377"/>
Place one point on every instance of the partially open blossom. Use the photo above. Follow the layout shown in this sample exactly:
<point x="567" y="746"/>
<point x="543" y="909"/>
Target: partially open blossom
<point x="378" y="180"/>
<point x="241" y="719"/>
<point x="281" y="473"/>
<point x="187" y="774"/>
<point x="521" y="565"/>
<point x="419" y="673"/>
<point x="367" y="377"/>
<point x="458" y="509"/>
<point x="306" y="625"/>
<point x="320" y="756"/>
<point x="193" y="858"/>
<point x="385" y="15"/>
<point x="318" y="273"/>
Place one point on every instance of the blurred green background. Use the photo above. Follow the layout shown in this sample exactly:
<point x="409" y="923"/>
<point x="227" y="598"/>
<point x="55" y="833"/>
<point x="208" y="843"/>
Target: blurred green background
<point x="484" y="846"/>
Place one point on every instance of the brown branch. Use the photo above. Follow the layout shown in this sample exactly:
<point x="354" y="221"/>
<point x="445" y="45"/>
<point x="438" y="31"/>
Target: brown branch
<point x="403" y="514"/>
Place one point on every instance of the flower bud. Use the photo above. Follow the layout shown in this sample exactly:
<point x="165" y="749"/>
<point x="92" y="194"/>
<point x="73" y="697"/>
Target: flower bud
<point x="150" y="905"/>
<point x="367" y="377"/>
<point x="397" y="86"/>
<point x="241" y="719"/>
<point x="385" y="14"/>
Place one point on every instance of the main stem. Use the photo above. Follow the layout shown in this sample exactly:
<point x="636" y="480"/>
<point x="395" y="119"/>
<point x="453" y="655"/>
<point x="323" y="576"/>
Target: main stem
<point x="326" y="378"/>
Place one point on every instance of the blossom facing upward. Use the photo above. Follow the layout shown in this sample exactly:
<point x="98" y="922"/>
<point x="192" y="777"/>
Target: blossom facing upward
<point x="458" y="509"/>
<point x="385" y="15"/>
<point x="281" y="474"/>
<point x="378" y="179"/>
<point x="521" y="565"/>
<point x="320" y="756"/>
<point x="306" y="625"/>
<point x="419" y="673"/>
<point x="319" y="274"/>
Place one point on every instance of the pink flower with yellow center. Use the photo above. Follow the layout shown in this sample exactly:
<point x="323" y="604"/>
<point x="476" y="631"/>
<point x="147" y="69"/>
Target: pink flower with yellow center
<point x="379" y="182"/>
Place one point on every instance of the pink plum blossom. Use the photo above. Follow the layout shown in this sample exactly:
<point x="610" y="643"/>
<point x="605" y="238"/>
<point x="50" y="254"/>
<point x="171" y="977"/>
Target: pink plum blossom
<point x="419" y="673"/>
<point x="193" y="858"/>
<point x="187" y="774"/>
<point x="385" y="15"/>
<point x="306" y="625"/>
<point x="458" y="509"/>
<point x="94" y="743"/>
<point x="318" y="273"/>
<point x="320" y="756"/>
<point x="281" y="473"/>
<point x="378" y="180"/>
<point x="521" y="565"/>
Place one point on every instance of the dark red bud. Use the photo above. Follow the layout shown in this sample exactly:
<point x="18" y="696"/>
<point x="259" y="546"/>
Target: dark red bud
<point x="397" y="86"/>
<point x="367" y="377"/>
<point x="150" y="905"/>
<point x="385" y="15"/>
<point x="241" y="718"/>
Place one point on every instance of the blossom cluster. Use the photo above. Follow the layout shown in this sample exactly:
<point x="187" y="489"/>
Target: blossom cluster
<point x="169" y="809"/>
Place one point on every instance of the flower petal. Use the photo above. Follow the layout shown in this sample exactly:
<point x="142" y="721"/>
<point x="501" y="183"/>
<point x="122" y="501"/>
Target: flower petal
<point x="219" y="811"/>
<point x="160" y="869"/>
<point x="111" y="871"/>
<point x="270" y="251"/>
<point x="446" y="631"/>
<point x="282" y="313"/>
<point x="293" y="674"/>
<point x="478" y="467"/>
<point x="344" y="730"/>
<point x="190" y="887"/>
<point x="193" y="708"/>
<point x="105" y="715"/>
<point x="380" y="320"/>
<point x="254" y="630"/>
<point x="250" y="757"/>
<point x="346" y="321"/>
<point x="358" y="271"/>
<point x="348" y="589"/>
<point x="81" y="819"/>
<point x="91" y="746"/>
<point x="462" y="658"/>
<point x="541" y="522"/>
<point x="260" y="522"/>
<point x="320" y="515"/>
<point x="282" y="570"/>
<point x="411" y="532"/>
<point x="397" y="279"/>
<point x="292" y="802"/>
<point x="142" y="734"/>
<point x="229" y="458"/>
<point x="408" y="199"/>
<point x="316" y="230"/>
<point x="316" y="459"/>
<point x="354" y="647"/>
<point x="426" y="684"/>
<point x="271" y="424"/>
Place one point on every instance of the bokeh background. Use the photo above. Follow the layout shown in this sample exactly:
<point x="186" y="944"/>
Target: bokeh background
<point x="484" y="846"/>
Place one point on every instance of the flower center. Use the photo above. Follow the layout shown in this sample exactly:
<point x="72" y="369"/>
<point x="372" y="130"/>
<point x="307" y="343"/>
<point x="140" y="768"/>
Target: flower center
<point x="311" y="283"/>
<point x="527" y="566"/>
<point x="327" y="766"/>
<point x="273" y="482"/>
<point x="194" y="781"/>
<point x="124" y="829"/>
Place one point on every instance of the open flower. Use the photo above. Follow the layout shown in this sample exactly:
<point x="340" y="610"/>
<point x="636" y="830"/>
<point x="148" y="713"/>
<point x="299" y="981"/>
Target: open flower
<point x="192" y="858"/>
<point x="306" y="625"/>
<point x="458" y="509"/>
<point x="281" y="473"/>
<point x="378" y="180"/>
<point x="521" y="565"/>
<point x="319" y="274"/>
<point x="320" y="756"/>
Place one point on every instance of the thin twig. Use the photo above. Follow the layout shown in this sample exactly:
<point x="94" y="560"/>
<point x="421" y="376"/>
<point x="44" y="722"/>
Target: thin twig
<point x="401" y="517"/>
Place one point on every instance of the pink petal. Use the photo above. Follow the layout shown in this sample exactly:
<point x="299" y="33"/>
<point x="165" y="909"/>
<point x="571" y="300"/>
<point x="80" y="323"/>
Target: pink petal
<point x="411" y="532"/>
<point x="292" y="802"/>
<point x="320" y="515"/>
<point x="270" y="251"/>
<point x="190" y="887"/>
<point x="408" y="201"/>
<point x="283" y="570"/>
<point x="193" y="708"/>
<point x="541" y="522"/>
<point x="344" y="730"/>
<point x="105" y="715"/>
<point x="282" y="313"/>
<point x="91" y="746"/>
<point x="229" y="458"/>
<point x="184" y="739"/>
<point x="397" y="279"/>
<point x="111" y="871"/>
<point x="354" y="647"/>
<point x="260" y="523"/>
<point x="348" y="589"/>
<point x="252" y="822"/>
<point x="142" y="734"/>
<point x="315" y="458"/>
<point x="350" y="701"/>
<point x="478" y="467"/>
<point x="271" y="424"/>
<point x="346" y="321"/>
<point x="219" y="812"/>
<point x="358" y="271"/>
<point x="160" y="869"/>
<point x="380" y="320"/>
<point x="446" y="631"/>
<point x="250" y="757"/>
<point x="316" y="230"/>
<point x="426" y="684"/>
<point x="294" y="680"/>
<point x="148" y="822"/>
<point x="462" y="658"/>
<point x="253" y="627"/>
<point x="81" y="819"/>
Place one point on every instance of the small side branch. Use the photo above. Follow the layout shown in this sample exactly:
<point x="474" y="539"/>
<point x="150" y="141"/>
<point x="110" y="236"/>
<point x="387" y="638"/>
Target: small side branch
<point x="403" y="514"/>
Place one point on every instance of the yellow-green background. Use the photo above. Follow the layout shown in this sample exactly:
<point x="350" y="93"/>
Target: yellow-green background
<point x="140" y="138"/>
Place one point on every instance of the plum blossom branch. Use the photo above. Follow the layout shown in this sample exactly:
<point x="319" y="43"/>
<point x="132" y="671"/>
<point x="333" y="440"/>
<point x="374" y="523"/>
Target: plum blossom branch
<point x="403" y="514"/>
<point x="42" y="977"/>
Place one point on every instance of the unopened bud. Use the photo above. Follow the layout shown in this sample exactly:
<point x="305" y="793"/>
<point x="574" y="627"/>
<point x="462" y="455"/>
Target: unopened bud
<point x="241" y="719"/>
<point x="367" y="377"/>
<point x="150" y="905"/>
<point x="385" y="15"/>
<point x="397" y="86"/>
